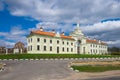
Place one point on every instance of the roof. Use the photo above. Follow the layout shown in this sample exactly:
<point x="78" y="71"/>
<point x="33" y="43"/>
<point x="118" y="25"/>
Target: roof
<point x="66" y="37"/>
<point x="91" y="41"/>
<point x="43" y="33"/>
<point x="95" y="41"/>
<point x="19" y="43"/>
<point x="51" y="34"/>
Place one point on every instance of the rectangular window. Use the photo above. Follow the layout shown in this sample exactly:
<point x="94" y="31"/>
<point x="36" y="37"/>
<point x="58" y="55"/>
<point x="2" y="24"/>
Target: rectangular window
<point x="38" y="47"/>
<point x="67" y="43"/>
<point x="38" y="39"/>
<point x="50" y="41"/>
<point x="63" y="49"/>
<point x="44" y="40"/>
<point x="91" y="45"/>
<point x="44" y="48"/>
<point x="31" y="47"/>
<point x="91" y="50"/>
<point x="50" y="48"/>
<point x="83" y="49"/>
<point x="28" y="40"/>
<point x="72" y="44"/>
<point x="31" y="39"/>
<point x="67" y="49"/>
<point x="57" y="41"/>
<point x="63" y="42"/>
<point x="71" y="49"/>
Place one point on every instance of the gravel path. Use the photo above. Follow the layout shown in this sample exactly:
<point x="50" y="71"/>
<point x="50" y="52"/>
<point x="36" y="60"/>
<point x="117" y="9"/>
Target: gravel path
<point x="46" y="70"/>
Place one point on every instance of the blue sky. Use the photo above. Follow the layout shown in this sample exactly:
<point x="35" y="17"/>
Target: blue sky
<point x="98" y="19"/>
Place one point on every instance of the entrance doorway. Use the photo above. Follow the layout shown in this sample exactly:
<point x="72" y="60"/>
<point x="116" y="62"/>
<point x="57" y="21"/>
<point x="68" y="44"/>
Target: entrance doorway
<point x="78" y="46"/>
<point x="78" y="50"/>
<point x="57" y="49"/>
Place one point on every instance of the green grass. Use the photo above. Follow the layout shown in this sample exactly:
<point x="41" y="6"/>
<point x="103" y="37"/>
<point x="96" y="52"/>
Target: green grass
<point x="43" y="56"/>
<point x="96" y="68"/>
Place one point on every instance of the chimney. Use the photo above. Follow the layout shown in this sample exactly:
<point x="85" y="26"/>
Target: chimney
<point x="62" y="33"/>
<point x="53" y="31"/>
<point x="41" y="29"/>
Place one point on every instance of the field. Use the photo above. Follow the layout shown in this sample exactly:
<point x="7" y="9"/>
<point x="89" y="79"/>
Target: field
<point x="96" y="68"/>
<point x="48" y="56"/>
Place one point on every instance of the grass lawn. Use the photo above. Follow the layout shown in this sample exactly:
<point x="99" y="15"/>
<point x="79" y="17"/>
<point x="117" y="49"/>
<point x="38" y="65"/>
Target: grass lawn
<point x="96" y="68"/>
<point x="43" y="56"/>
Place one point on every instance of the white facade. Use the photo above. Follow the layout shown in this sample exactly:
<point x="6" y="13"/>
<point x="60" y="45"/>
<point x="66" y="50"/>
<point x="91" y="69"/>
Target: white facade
<point x="40" y="41"/>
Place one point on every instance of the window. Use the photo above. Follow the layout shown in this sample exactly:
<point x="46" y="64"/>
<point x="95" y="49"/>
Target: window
<point x="67" y="43"/>
<point x="63" y="42"/>
<point x="91" y="45"/>
<point x="91" y="50"/>
<point x="31" y="39"/>
<point x="28" y="40"/>
<point x="67" y="49"/>
<point x="63" y="49"/>
<point x="72" y="44"/>
<point x="38" y="47"/>
<point x="71" y="49"/>
<point x="57" y="41"/>
<point x="50" y="48"/>
<point x="83" y="49"/>
<point x="31" y="48"/>
<point x="44" y="40"/>
<point x="38" y="39"/>
<point x="28" y="48"/>
<point x="50" y="41"/>
<point x="44" y="48"/>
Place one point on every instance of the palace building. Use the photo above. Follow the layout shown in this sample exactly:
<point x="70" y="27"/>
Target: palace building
<point x="40" y="41"/>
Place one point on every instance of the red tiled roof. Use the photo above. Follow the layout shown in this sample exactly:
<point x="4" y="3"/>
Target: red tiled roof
<point x="50" y="34"/>
<point x="66" y="37"/>
<point x="91" y="41"/>
<point x="44" y="33"/>
<point x="95" y="41"/>
<point x="103" y="43"/>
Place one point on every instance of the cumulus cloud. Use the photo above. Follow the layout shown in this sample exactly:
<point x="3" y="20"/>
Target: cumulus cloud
<point x="61" y="14"/>
<point x="107" y="31"/>
<point x="102" y="27"/>
<point x="65" y="11"/>
<point x="10" y="38"/>
<point x="58" y="27"/>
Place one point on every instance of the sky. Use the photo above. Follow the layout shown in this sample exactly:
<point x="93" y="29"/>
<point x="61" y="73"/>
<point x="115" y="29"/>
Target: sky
<point x="99" y="19"/>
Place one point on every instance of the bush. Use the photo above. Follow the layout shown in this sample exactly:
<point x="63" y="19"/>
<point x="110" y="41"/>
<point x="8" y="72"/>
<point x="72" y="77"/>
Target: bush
<point x="115" y="53"/>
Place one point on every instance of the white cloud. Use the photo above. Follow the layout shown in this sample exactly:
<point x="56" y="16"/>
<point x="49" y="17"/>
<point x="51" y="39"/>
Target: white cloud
<point x="59" y="27"/>
<point x="68" y="11"/>
<point x="10" y="38"/>
<point x="106" y="31"/>
<point x="102" y="27"/>
<point x="53" y="12"/>
<point x="114" y="43"/>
